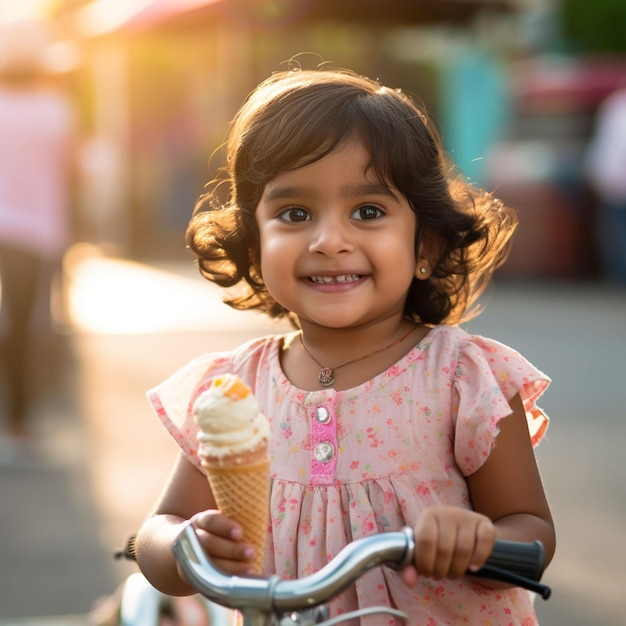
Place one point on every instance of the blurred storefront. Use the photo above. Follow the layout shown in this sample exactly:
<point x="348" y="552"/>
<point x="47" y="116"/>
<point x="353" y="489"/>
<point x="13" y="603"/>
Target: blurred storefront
<point x="167" y="79"/>
<point x="164" y="77"/>
<point x="537" y="166"/>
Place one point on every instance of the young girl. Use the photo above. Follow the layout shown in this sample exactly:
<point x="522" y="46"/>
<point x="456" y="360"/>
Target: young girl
<point x="344" y="215"/>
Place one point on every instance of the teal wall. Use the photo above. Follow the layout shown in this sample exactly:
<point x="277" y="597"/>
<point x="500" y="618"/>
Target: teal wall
<point x="474" y="108"/>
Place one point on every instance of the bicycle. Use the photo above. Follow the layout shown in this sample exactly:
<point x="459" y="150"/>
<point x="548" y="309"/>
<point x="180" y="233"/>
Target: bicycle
<point x="276" y="602"/>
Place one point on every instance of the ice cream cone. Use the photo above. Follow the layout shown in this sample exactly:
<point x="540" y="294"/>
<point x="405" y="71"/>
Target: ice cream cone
<point x="241" y="493"/>
<point x="233" y="449"/>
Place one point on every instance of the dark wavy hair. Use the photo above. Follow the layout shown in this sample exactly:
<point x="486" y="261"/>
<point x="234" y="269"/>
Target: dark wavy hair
<point x="297" y="117"/>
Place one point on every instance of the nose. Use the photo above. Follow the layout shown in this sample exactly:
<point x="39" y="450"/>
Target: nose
<point x="330" y="237"/>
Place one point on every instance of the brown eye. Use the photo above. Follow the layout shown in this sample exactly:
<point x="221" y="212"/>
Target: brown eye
<point x="367" y="212"/>
<point x="294" y="214"/>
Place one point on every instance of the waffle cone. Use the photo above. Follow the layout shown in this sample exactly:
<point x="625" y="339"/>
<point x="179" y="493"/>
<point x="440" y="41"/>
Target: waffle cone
<point x="241" y="493"/>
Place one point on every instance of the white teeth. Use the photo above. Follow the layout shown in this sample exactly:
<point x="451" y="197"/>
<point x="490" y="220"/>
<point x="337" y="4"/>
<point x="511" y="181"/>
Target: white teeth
<point x="344" y="278"/>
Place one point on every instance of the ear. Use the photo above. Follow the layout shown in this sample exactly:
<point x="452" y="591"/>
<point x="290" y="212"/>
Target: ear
<point x="428" y="255"/>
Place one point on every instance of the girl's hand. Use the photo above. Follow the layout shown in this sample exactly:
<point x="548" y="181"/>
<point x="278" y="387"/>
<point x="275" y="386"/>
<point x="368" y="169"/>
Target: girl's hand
<point x="222" y="540"/>
<point x="449" y="541"/>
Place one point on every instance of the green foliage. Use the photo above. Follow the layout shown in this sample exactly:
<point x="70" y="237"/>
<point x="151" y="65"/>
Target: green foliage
<point x="595" y="25"/>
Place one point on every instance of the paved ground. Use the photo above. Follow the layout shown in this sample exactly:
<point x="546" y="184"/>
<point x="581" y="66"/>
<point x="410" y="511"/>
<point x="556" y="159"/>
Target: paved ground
<point x="104" y="456"/>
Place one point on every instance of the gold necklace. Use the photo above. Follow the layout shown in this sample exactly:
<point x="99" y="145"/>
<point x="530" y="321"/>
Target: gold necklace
<point x="326" y="377"/>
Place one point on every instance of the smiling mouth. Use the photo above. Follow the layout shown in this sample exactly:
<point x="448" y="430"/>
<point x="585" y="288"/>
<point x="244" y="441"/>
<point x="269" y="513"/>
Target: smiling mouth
<point x="328" y="280"/>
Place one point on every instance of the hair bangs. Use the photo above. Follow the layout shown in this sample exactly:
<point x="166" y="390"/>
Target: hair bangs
<point x="301" y="126"/>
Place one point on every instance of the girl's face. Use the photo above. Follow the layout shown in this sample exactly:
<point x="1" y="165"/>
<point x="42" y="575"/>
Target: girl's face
<point x="337" y="246"/>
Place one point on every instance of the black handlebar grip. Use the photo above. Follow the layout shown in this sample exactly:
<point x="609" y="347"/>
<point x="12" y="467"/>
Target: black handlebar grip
<point x="523" y="559"/>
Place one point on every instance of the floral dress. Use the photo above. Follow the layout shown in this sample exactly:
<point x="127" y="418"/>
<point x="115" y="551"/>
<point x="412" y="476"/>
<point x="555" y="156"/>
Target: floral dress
<point x="351" y="463"/>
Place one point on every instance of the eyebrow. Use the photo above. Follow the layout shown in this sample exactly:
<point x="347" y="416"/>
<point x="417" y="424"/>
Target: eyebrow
<point x="347" y="190"/>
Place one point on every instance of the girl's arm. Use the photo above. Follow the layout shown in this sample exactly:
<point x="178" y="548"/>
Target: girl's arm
<point x="187" y="496"/>
<point x="508" y="488"/>
<point x="508" y="502"/>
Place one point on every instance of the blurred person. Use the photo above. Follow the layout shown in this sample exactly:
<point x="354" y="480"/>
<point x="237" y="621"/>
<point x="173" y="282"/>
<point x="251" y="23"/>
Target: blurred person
<point x="605" y="167"/>
<point x="36" y="130"/>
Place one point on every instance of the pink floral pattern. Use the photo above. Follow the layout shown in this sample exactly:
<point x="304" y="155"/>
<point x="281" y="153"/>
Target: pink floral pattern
<point x="346" y="464"/>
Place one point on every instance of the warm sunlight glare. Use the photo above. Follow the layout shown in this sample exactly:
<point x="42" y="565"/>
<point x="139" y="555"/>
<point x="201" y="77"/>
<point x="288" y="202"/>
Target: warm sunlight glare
<point x="109" y="295"/>
<point x="22" y="9"/>
<point x="116" y="296"/>
<point x="103" y="16"/>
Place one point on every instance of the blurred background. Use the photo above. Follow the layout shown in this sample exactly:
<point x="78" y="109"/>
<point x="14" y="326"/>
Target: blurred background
<point x="517" y="88"/>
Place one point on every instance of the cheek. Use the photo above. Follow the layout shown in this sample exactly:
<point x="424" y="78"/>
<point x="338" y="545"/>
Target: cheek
<point x="273" y="258"/>
<point x="269" y="247"/>
<point x="277" y="278"/>
<point x="402" y="246"/>
<point x="262" y="247"/>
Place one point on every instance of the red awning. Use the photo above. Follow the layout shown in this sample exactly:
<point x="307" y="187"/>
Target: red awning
<point x="161" y="13"/>
<point x="567" y="84"/>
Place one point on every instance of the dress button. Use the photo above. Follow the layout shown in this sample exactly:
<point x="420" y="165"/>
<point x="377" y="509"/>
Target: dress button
<point x="324" y="452"/>
<point x="322" y="415"/>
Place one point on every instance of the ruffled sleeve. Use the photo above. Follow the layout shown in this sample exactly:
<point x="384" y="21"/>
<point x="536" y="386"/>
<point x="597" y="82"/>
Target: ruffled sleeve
<point x="488" y="375"/>
<point x="173" y="399"/>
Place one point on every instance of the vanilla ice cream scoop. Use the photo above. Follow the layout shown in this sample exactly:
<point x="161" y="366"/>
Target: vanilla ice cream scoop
<point x="230" y="422"/>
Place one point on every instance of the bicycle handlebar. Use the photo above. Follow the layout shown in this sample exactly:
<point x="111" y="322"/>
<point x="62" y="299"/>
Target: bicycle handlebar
<point x="518" y="563"/>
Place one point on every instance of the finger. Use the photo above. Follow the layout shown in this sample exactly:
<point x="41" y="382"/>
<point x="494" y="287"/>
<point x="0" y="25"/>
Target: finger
<point x="485" y="539"/>
<point x="409" y="576"/>
<point x="235" y="568"/>
<point x="464" y="550"/>
<point x="426" y="534"/>
<point x="221" y="539"/>
<point x="446" y="548"/>
<point x="225" y="549"/>
<point x="216" y="523"/>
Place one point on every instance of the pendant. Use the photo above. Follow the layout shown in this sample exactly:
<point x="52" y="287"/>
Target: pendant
<point x="326" y="376"/>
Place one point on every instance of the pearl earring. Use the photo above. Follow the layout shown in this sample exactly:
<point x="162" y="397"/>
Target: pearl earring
<point x="422" y="270"/>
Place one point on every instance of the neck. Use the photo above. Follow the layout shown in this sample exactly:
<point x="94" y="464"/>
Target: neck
<point x="345" y="358"/>
<point x="339" y="344"/>
<point x="375" y="360"/>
